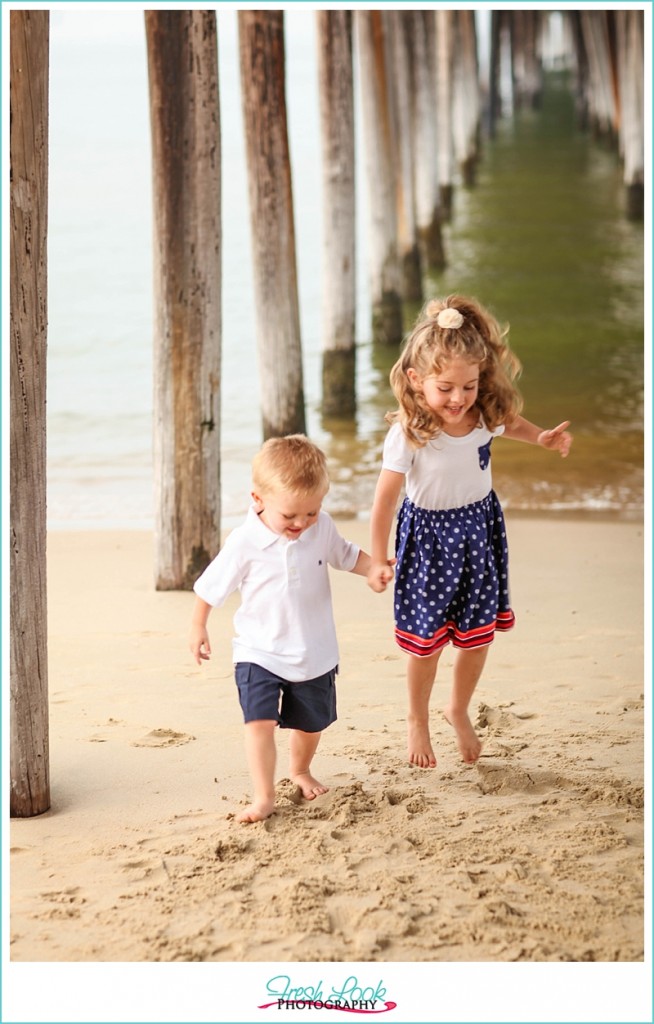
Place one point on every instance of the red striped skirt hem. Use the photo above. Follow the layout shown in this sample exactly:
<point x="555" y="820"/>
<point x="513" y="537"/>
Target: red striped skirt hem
<point x="423" y="647"/>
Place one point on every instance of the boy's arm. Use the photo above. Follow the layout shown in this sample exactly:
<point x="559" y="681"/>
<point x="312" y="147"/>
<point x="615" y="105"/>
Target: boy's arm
<point x="362" y="565"/>
<point x="199" y="644"/>
<point x="557" y="440"/>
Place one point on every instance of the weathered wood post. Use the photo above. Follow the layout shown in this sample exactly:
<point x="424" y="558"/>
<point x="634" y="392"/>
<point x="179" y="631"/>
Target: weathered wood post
<point x="528" y="78"/>
<point x="443" y="92"/>
<point x="601" y="95"/>
<point x="398" y="35"/>
<point x="262" y="60"/>
<point x="28" y="201"/>
<point x="335" y="81"/>
<point x="425" y="147"/>
<point x="385" y="275"/>
<point x="494" y="98"/>
<point x="185" y="122"/>
<point x="466" y="104"/>
<point x="630" y="60"/>
<point x="508" y="58"/>
<point x="582" y="74"/>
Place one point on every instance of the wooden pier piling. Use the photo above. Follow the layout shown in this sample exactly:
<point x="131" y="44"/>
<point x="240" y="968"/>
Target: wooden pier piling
<point x="28" y="203"/>
<point x="336" y="91"/>
<point x="185" y="123"/>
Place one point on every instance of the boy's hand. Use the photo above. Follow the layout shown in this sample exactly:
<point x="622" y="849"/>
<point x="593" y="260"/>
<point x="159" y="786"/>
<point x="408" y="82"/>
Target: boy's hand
<point x="380" y="575"/>
<point x="557" y="440"/>
<point x="199" y="644"/>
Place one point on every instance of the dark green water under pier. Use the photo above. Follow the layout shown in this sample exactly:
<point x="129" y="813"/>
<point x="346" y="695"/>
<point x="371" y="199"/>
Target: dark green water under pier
<point x="543" y="239"/>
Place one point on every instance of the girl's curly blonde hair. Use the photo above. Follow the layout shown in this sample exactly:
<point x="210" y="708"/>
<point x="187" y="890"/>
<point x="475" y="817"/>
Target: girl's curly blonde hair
<point x="429" y="347"/>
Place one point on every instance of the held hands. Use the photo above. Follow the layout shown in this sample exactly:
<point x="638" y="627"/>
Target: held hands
<point x="380" y="575"/>
<point x="199" y="644"/>
<point x="557" y="440"/>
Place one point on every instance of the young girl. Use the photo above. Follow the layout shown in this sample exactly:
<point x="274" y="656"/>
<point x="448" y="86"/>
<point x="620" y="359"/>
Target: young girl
<point x="454" y="384"/>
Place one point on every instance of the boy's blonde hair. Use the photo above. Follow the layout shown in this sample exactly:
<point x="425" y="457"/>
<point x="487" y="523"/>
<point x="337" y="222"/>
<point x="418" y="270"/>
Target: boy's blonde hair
<point x="292" y="463"/>
<point x="475" y="335"/>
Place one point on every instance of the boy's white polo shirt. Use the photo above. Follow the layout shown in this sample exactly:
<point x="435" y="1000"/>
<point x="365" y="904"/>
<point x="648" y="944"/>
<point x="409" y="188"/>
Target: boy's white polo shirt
<point x="285" y="622"/>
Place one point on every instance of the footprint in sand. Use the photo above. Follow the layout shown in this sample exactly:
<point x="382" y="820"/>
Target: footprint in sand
<point x="230" y="851"/>
<point x="99" y="737"/>
<point x="496" y="748"/>
<point x="163" y="738"/>
<point x="60" y="903"/>
<point x="414" y="801"/>
<point x="503" y="779"/>
<point x="497" y="720"/>
<point x="152" y="868"/>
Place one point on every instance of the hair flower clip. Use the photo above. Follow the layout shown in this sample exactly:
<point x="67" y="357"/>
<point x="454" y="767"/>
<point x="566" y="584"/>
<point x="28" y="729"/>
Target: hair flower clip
<point x="450" y="318"/>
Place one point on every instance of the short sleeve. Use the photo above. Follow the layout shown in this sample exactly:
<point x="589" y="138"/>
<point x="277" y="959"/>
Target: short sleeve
<point x="397" y="454"/>
<point x="222" y="576"/>
<point x="341" y="553"/>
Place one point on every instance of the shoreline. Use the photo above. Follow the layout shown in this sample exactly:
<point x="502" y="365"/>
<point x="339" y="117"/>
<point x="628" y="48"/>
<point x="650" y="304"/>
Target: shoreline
<point x="535" y="853"/>
<point x="631" y="517"/>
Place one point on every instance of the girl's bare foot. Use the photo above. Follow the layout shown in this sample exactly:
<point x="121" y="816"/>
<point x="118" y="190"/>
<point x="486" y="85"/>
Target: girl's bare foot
<point x="420" y="750"/>
<point x="466" y="737"/>
<point x="310" y="787"/>
<point x="258" y="810"/>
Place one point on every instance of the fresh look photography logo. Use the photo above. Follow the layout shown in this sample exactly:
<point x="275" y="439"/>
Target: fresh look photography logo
<point x="350" y="997"/>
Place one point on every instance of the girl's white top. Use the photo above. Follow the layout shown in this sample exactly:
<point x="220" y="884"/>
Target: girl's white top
<point x="448" y="472"/>
<point x="285" y="622"/>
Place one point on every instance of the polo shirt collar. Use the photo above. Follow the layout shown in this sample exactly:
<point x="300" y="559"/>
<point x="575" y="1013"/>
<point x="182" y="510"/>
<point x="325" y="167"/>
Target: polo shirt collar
<point x="261" y="536"/>
<point x="258" y="532"/>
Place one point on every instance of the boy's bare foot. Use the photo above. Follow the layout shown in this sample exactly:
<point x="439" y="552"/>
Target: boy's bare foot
<point x="310" y="787"/>
<point x="420" y="750"/>
<point x="466" y="737"/>
<point x="258" y="810"/>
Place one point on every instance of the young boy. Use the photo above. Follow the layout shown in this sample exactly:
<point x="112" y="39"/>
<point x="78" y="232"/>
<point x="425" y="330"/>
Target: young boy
<point x="285" y="643"/>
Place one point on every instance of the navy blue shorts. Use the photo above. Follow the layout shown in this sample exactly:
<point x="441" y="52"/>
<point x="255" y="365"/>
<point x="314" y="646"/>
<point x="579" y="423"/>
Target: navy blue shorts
<point x="309" y="706"/>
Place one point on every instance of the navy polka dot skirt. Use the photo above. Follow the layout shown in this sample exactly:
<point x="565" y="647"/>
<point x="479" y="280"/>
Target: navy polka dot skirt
<point x="451" y="577"/>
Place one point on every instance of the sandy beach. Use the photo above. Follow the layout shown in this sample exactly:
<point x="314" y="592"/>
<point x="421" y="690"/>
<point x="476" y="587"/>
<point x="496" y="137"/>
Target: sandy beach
<point x="534" y="854"/>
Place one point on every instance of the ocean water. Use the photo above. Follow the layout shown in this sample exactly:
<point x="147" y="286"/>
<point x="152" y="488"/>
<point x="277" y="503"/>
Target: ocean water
<point x="542" y="238"/>
<point x="100" y="266"/>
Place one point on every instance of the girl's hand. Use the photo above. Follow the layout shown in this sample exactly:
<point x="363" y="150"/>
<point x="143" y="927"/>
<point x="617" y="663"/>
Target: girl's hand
<point x="380" y="575"/>
<point x="557" y="440"/>
<point x="199" y="644"/>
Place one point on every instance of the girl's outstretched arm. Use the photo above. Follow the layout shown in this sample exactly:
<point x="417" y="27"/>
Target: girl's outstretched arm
<point x="557" y="440"/>
<point x="388" y="490"/>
